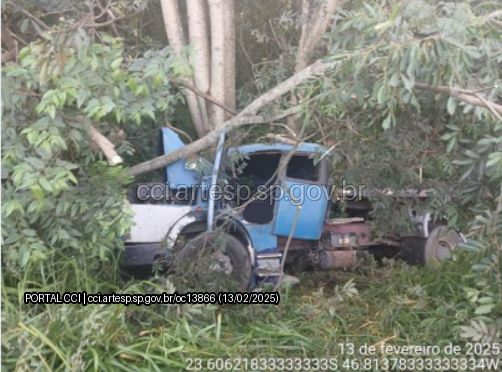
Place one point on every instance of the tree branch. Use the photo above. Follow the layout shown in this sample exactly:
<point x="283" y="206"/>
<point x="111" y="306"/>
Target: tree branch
<point x="111" y="21"/>
<point x="106" y="10"/>
<point x="493" y="15"/>
<point x="204" y="95"/>
<point x="279" y="138"/>
<point x="105" y="145"/>
<point x="465" y="95"/>
<point x="29" y="15"/>
<point x="490" y="106"/>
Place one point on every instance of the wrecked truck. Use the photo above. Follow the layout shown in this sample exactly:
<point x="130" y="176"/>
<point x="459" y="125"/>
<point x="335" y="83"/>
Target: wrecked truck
<point x="239" y="218"/>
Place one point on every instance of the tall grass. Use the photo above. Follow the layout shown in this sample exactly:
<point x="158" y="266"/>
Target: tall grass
<point x="394" y="303"/>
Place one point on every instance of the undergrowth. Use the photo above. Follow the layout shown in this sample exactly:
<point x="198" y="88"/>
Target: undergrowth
<point x="390" y="303"/>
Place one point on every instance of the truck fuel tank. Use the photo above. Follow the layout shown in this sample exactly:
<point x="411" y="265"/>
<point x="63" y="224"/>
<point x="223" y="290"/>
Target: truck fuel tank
<point x="341" y="259"/>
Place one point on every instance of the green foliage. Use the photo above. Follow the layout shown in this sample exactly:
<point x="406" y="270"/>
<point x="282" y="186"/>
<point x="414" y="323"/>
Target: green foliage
<point x="388" y="132"/>
<point x="60" y="197"/>
<point x="391" y="134"/>
<point x="63" y="207"/>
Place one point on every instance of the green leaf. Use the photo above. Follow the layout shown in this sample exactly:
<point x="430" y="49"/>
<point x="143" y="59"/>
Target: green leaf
<point x="108" y="104"/>
<point x="451" y="144"/>
<point x="394" y="80"/>
<point x="494" y="158"/>
<point x="132" y="84"/>
<point x="412" y="62"/>
<point x="381" y="96"/>
<point x="447" y="136"/>
<point x="45" y="184"/>
<point x="387" y="122"/>
<point x="408" y="84"/>
<point x="37" y="192"/>
<point x="51" y="110"/>
<point x="72" y="178"/>
<point x="11" y="206"/>
<point x="15" y="71"/>
<point x="451" y="105"/>
<point x="81" y="97"/>
<point x="24" y="25"/>
<point x="484" y="309"/>
<point x="25" y="257"/>
<point x="486" y="300"/>
<point x="116" y="63"/>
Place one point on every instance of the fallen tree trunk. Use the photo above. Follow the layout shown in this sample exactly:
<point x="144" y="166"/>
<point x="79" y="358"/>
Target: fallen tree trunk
<point x="246" y="116"/>
<point x="249" y="114"/>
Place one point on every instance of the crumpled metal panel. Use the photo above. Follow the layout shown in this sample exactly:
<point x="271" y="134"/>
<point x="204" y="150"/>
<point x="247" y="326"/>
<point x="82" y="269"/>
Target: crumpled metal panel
<point x="177" y="174"/>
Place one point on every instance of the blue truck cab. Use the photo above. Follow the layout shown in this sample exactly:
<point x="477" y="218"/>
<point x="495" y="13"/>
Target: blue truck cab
<point x="284" y="173"/>
<point x="269" y="201"/>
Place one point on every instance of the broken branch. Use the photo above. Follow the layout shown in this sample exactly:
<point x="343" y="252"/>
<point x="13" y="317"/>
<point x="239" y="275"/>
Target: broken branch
<point x="106" y="146"/>
<point x="464" y="95"/>
<point x="279" y="138"/>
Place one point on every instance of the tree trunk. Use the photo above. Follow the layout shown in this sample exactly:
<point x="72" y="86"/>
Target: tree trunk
<point x="176" y="37"/>
<point x="321" y="23"/>
<point x="301" y="57"/>
<point x="229" y="17"/>
<point x="172" y="23"/>
<point x="198" y="33"/>
<point x="217" y="20"/>
<point x="312" y="29"/>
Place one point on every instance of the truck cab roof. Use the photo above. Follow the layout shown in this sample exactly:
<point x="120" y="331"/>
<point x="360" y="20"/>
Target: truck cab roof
<point x="305" y="147"/>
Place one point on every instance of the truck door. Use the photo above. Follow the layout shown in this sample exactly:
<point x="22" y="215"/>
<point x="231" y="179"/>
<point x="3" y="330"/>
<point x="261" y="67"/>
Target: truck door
<point x="178" y="174"/>
<point x="303" y="200"/>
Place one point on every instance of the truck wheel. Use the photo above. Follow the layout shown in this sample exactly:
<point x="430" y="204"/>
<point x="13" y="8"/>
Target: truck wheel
<point x="437" y="247"/>
<point x="212" y="262"/>
<point x="440" y="244"/>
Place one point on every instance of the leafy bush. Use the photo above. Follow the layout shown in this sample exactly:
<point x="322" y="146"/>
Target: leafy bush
<point x="60" y="197"/>
<point x="63" y="207"/>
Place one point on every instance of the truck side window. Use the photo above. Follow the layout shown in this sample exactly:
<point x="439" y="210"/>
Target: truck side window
<point x="302" y="167"/>
<point x="259" y="169"/>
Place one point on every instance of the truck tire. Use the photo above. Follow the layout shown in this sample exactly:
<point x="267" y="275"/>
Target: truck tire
<point x="437" y="247"/>
<point x="212" y="262"/>
<point x="412" y="250"/>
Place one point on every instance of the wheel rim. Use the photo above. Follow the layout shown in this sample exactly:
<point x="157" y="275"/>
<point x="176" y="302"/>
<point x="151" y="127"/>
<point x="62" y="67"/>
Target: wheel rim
<point x="208" y="266"/>
<point x="441" y="244"/>
<point x="222" y="263"/>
